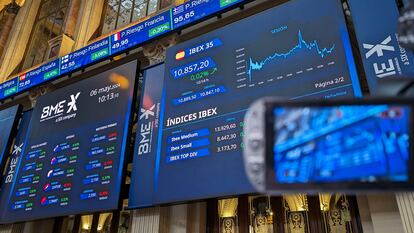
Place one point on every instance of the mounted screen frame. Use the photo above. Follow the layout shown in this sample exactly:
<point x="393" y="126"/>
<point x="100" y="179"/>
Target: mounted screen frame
<point x="14" y="158"/>
<point x="11" y="134"/>
<point x="213" y="150"/>
<point x="340" y="186"/>
<point x="121" y="173"/>
<point x="149" y="98"/>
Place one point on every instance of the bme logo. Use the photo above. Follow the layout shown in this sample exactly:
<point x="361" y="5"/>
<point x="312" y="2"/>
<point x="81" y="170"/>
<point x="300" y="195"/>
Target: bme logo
<point x="379" y="48"/>
<point x="384" y="67"/>
<point x="59" y="108"/>
<point x="145" y="130"/>
<point x="13" y="163"/>
<point x="147" y="112"/>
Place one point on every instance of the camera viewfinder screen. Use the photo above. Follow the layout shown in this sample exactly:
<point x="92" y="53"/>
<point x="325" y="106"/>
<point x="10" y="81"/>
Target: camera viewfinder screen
<point x="346" y="143"/>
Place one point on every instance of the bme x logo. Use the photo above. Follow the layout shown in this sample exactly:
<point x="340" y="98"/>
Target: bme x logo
<point x="17" y="149"/>
<point x="146" y="113"/>
<point x="379" y="48"/>
<point x="72" y="103"/>
<point x="59" y="108"/>
<point x="383" y="68"/>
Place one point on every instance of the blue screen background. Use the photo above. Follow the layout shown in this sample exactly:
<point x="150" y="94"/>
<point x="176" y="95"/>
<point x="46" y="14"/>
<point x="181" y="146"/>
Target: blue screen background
<point x="7" y="118"/>
<point x="72" y="161"/>
<point x="341" y="143"/>
<point x="211" y="81"/>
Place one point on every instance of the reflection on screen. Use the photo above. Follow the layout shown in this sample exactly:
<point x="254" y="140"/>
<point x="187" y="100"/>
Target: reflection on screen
<point x="341" y="143"/>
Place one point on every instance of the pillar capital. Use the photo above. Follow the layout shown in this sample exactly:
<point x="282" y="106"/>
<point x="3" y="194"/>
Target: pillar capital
<point x="37" y="92"/>
<point x="11" y="11"/>
<point x="155" y="52"/>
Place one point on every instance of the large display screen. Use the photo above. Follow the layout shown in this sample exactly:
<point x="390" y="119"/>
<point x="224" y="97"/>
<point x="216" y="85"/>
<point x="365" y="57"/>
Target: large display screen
<point x="146" y="146"/>
<point x="342" y="144"/>
<point x="73" y="157"/>
<point x="376" y="28"/>
<point x="14" y="158"/>
<point x="8" y="121"/>
<point x="210" y="81"/>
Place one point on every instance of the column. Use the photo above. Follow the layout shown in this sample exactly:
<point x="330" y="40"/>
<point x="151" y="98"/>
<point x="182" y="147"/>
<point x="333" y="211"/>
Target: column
<point x="72" y="18"/>
<point x="43" y="226"/>
<point x="90" y="14"/>
<point x="15" y="48"/>
<point x="384" y="213"/>
<point x="155" y="52"/>
<point x="146" y="220"/>
<point x="15" y="228"/>
<point x="177" y="219"/>
<point x="196" y="217"/>
<point x="365" y="214"/>
<point x="6" y="228"/>
<point x="184" y="218"/>
<point x="66" y="41"/>
<point x="406" y="206"/>
<point x="11" y="11"/>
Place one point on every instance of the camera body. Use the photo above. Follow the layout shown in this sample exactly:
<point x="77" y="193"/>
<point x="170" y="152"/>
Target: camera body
<point x="254" y="141"/>
<point x="329" y="145"/>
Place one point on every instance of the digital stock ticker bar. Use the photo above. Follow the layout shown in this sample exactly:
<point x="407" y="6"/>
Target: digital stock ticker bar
<point x="176" y="18"/>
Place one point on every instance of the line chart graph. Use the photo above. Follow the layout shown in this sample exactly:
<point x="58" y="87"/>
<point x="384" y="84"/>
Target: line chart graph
<point x="253" y="65"/>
